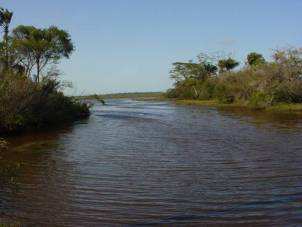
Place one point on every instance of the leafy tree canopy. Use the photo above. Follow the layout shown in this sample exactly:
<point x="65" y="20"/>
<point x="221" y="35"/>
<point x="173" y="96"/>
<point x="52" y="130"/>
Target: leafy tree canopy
<point x="227" y="64"/>
<point x="255" y="59"/>
<point x="201" y="70"/>
<point x="39" y="47"/>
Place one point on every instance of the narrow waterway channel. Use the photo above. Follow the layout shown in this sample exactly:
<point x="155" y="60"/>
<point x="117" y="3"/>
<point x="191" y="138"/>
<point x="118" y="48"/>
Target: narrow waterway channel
<point x="136" y="162"/>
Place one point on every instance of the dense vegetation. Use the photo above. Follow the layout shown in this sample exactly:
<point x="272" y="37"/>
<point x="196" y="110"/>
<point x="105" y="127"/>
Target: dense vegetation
<point x="30" y="90"/>
<point x="259" y="84"/>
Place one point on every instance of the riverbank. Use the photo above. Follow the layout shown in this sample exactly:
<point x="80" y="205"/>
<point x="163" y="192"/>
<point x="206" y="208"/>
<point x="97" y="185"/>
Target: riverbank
<point x="160" y="96"/>
<point x="281" y="107"/>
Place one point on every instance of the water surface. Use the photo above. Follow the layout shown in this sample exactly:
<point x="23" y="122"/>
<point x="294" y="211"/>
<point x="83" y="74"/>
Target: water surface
<point x="148" y="163"/>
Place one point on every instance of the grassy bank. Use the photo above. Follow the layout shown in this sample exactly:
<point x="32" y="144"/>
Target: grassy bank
<point x="280" y="107"/>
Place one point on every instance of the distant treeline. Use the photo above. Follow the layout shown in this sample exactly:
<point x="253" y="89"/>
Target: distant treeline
<point x="259" y="83"/>
<point x="30" y="89"/>
<point x="127" y="95"/>
<point x="133" y="95"/>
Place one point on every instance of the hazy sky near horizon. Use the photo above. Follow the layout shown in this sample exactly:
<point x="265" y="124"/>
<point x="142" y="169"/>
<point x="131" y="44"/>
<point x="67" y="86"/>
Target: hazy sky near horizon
<point x="129" y="45"/>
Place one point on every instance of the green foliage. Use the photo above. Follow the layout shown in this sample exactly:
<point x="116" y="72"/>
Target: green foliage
<point x="255" y="59"/>
<point x="227" y="64"/>
<point x="260" y="86"/>
<point x="183" y="71"/>
<point x="30" y="101"/>
<point x="206" y="89"/>
<point x="201" y="70"/>
<point x="27" y="105"/>
<point x="288" y="92"/>
<point x="5" y="20"/>
<point x="39" y="47"/>
<point x="223" y="94"/>
<point x="260" y="100"/>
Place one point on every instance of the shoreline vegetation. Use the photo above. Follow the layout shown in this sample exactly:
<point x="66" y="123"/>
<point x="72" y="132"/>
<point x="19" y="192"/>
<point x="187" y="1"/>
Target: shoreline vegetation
<point x="31" y="92"/>
<point x="162" y="96"/>
<point x="277" y="108"/>
<point x="212" y="80"/>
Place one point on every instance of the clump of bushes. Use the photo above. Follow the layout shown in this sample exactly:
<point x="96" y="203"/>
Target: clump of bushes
<point x="259" y="83"/>
<point x="25" y="104"/>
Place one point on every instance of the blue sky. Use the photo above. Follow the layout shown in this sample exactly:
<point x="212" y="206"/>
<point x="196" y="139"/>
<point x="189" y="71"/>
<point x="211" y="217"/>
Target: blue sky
<point x="129" y="45"/>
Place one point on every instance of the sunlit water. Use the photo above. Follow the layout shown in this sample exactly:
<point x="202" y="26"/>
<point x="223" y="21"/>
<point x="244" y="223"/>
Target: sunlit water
<point x="144" y="163"/>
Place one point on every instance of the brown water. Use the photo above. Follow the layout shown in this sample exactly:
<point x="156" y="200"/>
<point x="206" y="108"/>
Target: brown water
<point x="144" y="163"/>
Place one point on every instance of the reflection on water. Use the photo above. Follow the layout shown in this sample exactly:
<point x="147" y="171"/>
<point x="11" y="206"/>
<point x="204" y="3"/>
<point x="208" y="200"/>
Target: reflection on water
<point x="157" y="163"/>
<point x="287" y="121"/>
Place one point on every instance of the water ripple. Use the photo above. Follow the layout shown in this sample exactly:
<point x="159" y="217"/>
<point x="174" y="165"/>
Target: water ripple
<point x="153" y="163"/>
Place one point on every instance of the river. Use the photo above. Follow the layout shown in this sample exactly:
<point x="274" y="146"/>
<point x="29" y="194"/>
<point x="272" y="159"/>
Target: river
<point x="156" y="163"/>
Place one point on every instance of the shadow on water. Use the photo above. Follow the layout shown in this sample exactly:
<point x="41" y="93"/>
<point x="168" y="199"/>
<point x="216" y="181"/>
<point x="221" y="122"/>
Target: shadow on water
<point x="279" y="120"/>
<point x="26" y="160"/>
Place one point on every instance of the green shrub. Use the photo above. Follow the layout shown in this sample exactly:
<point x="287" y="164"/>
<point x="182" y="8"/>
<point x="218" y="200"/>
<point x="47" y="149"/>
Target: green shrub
<point x="206" y="89"/>
<point x="171" y="93"/>
<point x="288" y="93"/>
<point x="260" y="100"/>
<point x="27" y="105"/>
<point x="223" y="95"/>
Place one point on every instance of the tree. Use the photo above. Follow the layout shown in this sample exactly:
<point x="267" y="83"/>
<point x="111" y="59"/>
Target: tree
<point x="289" y="62"/>
<point x="185" y="70"/>
<point x="210" y="69"/>
<point x="38" y="48"/>
<point x="201" y="70"/>
<point x="207" y="62"/>
<point x="255" y="59"/>
<point x="24" y="48"/>
<point x="227" y="64"/>
<point x="5" y="20"/>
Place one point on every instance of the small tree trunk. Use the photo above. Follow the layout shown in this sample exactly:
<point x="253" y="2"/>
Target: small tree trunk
<point x="5" y="38"/>
<point x="196" y="93"/>
<point x="38" y="72"/>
